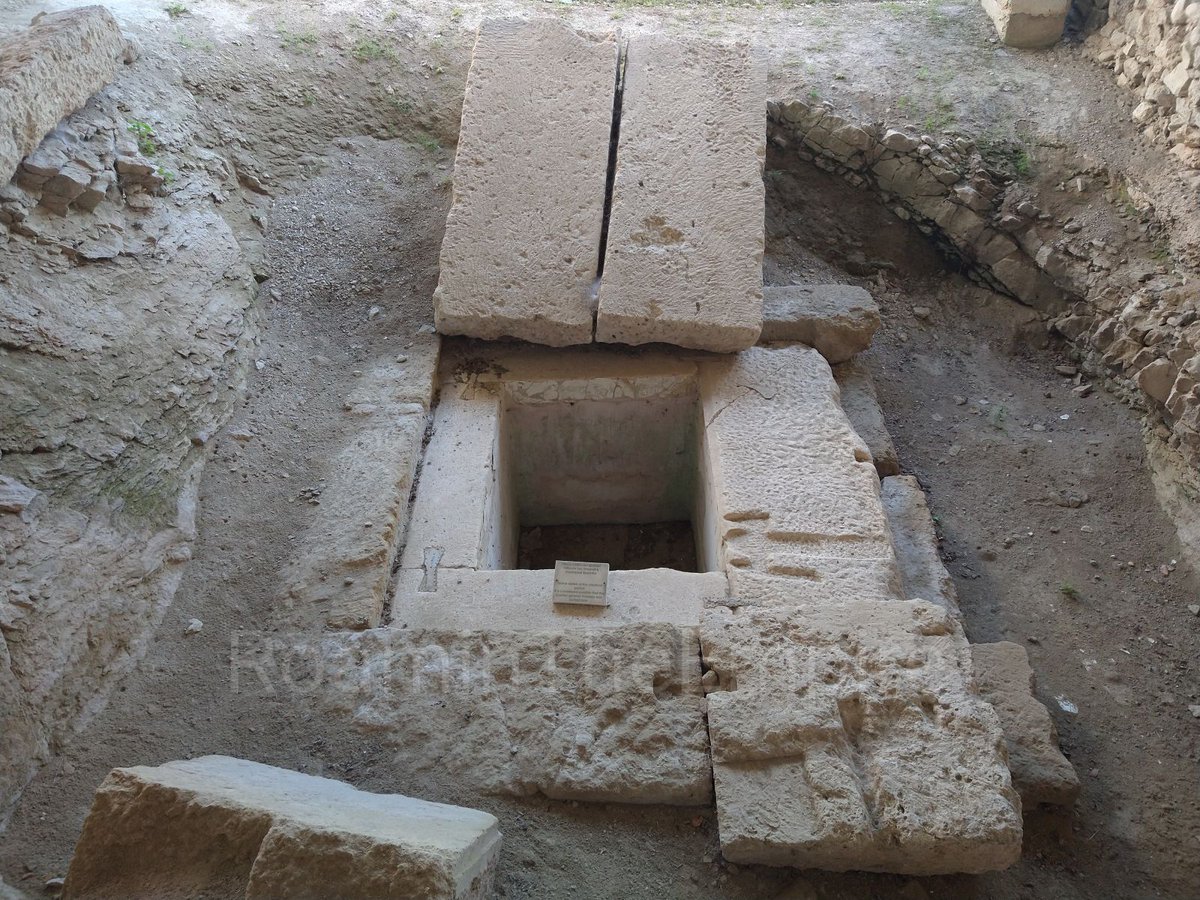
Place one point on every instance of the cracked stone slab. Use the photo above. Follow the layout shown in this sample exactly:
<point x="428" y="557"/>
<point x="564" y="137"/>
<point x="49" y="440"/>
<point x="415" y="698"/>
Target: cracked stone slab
<point x="849" y="736"/>
<point x="839" y="320"/>
<point x="522" y="240"/>
<point x="219" y="826"/>
<point x="1040" y="772"/>
<point x="615" y="715"/>
<point x="794" y="492"/>
<point x="685" y="243"/>
<point x="861" y="405"/>
<point x="50" y="70"/>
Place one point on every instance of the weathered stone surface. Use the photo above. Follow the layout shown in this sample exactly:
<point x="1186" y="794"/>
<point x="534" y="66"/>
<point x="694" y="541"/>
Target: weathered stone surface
<point x="861" y="406"/>
<point x="50" y="70"/>
<point x="362" y="520"/>
<point x="1028" y="23"/>
<point x="794" y="492"/>
<point x="685" y="242"/>
<point x="220" y="826"/>
<point x="518" y="600"/>
<point x="921" y="570"/>
<point x="1040" y="772"/>
<point x="847" y="736"/>
<point x="522" y="238"/>
<point x="838" y="320"/>
<point x="614" y="715"/>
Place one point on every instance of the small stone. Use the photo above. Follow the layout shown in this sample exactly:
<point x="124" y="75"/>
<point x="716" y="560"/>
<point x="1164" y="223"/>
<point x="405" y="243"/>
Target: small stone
<point x="1194" y="609"/>
<point x="1195" y="711"/>
<point x="241" y="434"/>
<point x="922" y="312"/>
<point x="1068" y="371"/>
<point x="373" y="312"/>
<point x="960" y="400"/>
<point x="1072" y="228"/>
<point x="195" y="626"/>
<point x="54" y="885"/>
<point x="1082" y="390"/>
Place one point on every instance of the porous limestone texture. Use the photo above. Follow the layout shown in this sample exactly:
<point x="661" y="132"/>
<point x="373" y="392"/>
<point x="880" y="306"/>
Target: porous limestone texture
<point x="611" y="715"/>
<point x="861" y="406"/>
<point x="793" y="488"/>
<point x="348" y="551"/>
<point x="838" y="320"/>
<point x="49" y="71"/>
<point x="921" y="570"/>
<point x="1040" y="772"/>
<point x="127" y="325"/>
<point x="218" y="826"/>
<point x="685" y="243"/>
<point x="522" y="240"/>
<point x="1029" y="24"/>
<point x="849" y="736"/>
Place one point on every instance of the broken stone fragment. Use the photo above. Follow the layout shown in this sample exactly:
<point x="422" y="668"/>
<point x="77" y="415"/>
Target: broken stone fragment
<point x="838" y="320"/>
<point x="1040" y="772"/>
<point x="229" y="827"/>
<point x="1029" y="24"/>
<point x="50" y="70"/>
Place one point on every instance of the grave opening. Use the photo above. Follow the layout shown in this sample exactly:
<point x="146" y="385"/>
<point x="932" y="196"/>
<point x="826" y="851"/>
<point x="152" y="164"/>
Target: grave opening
<point x="613" y="480"/>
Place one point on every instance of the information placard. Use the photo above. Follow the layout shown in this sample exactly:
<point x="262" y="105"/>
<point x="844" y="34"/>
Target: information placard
<point x="581" y="583"/>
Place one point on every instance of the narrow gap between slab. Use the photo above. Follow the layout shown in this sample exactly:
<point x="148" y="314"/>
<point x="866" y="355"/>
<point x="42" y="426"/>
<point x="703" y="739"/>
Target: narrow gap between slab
<point x="611" y="175"/>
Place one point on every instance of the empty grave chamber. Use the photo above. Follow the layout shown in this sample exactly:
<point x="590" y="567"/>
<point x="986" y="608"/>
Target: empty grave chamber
<point x="599" y="470"/>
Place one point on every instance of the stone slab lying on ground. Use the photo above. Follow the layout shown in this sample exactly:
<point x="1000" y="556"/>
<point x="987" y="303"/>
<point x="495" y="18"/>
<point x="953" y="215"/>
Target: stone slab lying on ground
<point x="848" y="736"/>
<point x="838" y="320"/>
<point x="916" y="544"/>
<point x="349" y="548"/>
<point x="794" y="493"/>
<point x="50" y="70"/>
<point x="1040" y="772"/>
<point x="612" y="715"/>
<point x="522" y="240"/>
<point x="861" y="406"/>
<point x="229" y="827"/>
<point x="685" y="243"/>
<point x="1028" y="23"/>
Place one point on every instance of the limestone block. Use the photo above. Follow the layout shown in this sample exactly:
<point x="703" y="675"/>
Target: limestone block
<point x="794" y="491"/>
<point x="838" y="320"/>
<point x="915" y="541"/>
<point x="519" y="600"/>
<point x="1040" y="772"/>
<point x="218" y="826"/>
<point x="522" y="240"/>
<point x="861" y="406"/>
<point x="1028" y="23"/>
<point x="685" y="242"/>
<point x="362" y="519"/>
<point x="848" y="736"/>
<point x="611" y="715"/>
<point x="50" y="70"/>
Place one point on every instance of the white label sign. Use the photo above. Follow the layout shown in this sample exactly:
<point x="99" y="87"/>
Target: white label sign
<point x="581" y="583"/>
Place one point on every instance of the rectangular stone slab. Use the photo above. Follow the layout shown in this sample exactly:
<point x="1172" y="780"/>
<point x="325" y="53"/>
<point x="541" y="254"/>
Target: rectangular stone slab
<point x="50" y="70"/>
<point x="219" y="826"/>
<point x="684" y="256"/>
<point x="522" y="238"/>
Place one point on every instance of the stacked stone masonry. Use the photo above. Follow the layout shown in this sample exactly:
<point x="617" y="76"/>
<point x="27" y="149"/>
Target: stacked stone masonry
<point x="1154" y="49"/>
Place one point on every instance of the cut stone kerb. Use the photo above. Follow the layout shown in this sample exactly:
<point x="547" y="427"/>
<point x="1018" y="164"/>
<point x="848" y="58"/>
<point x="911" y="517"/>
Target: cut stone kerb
<point x="583" y="442"/>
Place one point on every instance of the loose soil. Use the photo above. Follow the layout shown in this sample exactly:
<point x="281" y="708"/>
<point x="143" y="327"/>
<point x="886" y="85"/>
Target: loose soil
<point x="346" y="113"/>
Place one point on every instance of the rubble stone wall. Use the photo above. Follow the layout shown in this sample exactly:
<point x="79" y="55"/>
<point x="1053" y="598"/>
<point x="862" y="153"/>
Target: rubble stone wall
<point x="1153" y="46"/>
<point x="1133" y="323"/>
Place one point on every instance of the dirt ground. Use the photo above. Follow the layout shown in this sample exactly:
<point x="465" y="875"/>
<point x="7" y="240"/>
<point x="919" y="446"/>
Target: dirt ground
<point x="1047" y="513"/>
